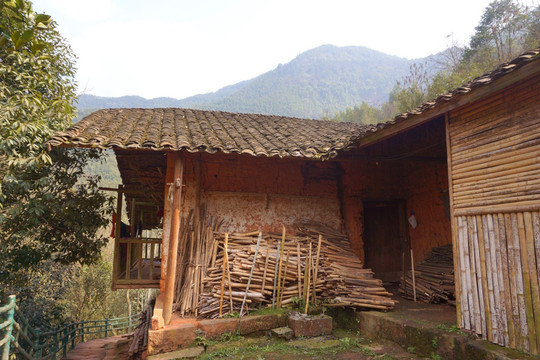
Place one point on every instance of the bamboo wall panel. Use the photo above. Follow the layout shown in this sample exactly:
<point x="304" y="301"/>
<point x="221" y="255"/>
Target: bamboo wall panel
<point x="494" y="157"/>
<point x="499" y="267"/>
<point x="495" y="151"/>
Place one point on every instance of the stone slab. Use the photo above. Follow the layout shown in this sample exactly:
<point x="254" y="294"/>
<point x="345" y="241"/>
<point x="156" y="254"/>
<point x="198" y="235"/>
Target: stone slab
<point x="213" y="329"/>
<point x="310" y="325"/>
<point x="188" y="353"/>
<point x="171" y="339"/>
<point x="259" y="323"/>
<point x="283" y="333"/>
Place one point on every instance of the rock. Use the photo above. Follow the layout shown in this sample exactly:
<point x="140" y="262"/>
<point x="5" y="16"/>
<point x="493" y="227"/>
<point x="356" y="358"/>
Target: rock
<point x="283" y="332"/>
<point x="190" y="352"/>
<point x="253" y="324"/>
<point x="214" y="328"/>
<point x="182" y="335"/>
<point x="310" y="325"/>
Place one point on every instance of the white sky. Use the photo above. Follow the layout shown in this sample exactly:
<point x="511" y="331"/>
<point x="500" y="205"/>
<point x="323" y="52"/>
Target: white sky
<point x="187" y="47"/>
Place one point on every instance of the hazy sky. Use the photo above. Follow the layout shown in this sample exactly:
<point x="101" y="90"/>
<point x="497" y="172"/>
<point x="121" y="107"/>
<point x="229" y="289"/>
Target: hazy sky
<point x="182" y="48"/>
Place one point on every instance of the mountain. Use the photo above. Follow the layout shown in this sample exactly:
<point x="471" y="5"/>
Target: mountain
<point x="326" y="79"/>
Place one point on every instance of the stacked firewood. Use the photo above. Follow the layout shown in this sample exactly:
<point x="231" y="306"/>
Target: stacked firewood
<point x="434" y="278"/>
<point x="196" y="249"/>
<point x="254" y="270"/>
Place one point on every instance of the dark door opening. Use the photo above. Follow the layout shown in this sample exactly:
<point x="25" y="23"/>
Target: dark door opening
<point x="385" y="239"/>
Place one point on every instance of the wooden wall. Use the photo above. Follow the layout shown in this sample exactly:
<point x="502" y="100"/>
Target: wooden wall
<point x="494" y="148"/>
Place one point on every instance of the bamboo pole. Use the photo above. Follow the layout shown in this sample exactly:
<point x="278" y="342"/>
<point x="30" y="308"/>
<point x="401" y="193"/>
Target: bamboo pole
<point x="533" y="235"/>
<point x="465" y="275"/>
<point x="280" y="265"/>
<point x="513" y="282"/>
<point x="462" y="156"/>
<point x="484" y="277"/>
<point x="499" y="223"/>
<point x="173" y="239"/>
<point x="308" y="271"/>
<point x="527" y="286"/>
<point x="251" y="272"/>
<point x="265" y="266"/>
<point x="316" y="270"/>
<point x="283" y="283"/>
<point x="478" y="277"/>
<point x="225" y="256"/>
<point x="229" y="278"/>
<point x="275" y="277"/>
<point x="299" y="271"/>
<point x="413" y="275"/>
<point x="488" y="272"/>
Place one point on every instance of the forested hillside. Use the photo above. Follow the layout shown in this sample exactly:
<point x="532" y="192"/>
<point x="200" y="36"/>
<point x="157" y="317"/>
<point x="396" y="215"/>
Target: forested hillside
<point x="320" y="81"/>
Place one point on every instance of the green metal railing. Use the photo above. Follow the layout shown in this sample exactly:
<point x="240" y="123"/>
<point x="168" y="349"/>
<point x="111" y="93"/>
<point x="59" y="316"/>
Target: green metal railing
<point x="18" y="340"/>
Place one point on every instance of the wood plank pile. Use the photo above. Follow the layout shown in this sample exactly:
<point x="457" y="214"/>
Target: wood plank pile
<point x="278" y="269"/>
<point x="434" y="278"/>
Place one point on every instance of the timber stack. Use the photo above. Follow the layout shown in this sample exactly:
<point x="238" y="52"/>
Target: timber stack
<point x="434" y="278"/>
<point x="252" y="270"/>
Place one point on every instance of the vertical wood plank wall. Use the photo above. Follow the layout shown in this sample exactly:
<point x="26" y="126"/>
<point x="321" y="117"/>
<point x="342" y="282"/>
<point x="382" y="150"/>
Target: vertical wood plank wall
<point x="495" y="177"/>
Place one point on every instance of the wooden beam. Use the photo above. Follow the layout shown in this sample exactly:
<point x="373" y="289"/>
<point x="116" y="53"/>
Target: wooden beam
<point x="173" y="238"/>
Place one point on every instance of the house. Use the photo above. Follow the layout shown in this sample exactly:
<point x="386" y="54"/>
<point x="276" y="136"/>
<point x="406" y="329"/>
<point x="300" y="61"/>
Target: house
<point x="466" y="165"/>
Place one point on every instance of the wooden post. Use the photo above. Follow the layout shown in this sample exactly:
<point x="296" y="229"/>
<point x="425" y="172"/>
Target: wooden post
<point x="413" y="277"/>
<point x="453" y="222"/>
<point x="118" y="223"/>
<point x="173" y="239"/>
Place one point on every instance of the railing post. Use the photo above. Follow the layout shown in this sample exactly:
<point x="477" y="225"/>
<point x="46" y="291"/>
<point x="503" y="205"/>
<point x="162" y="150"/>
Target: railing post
<point x="9" y="328"/>
<point x="64" y="341"/>
<point x="83" y="323"/>
<point x="106" y="327"/>
<point x="55" y="343"/>
<point x="38" y="349"/>
<point x="72" y="333"/>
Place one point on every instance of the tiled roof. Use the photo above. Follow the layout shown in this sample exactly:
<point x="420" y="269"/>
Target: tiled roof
<point x="254" y="134"/>
<point x="211" y="131"/>
<point x="486" y="79"/>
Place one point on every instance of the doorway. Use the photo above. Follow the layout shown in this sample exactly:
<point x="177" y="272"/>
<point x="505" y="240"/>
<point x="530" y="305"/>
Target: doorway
<point x="385" y="239"/>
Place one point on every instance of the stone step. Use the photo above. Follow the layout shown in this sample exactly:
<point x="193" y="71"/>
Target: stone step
<point x="115" y="347"/>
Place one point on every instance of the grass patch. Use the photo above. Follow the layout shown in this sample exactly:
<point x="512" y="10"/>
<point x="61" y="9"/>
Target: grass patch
<point x="249" y="349"/>
<point x="269" y="311"/>
<point x="452" y="329"/>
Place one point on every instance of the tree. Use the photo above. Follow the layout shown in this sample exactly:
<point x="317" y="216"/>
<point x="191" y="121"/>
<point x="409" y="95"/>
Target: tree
<point x="411" y="90"/>
<point x="48" y="209"/>
<point x="500" y="34"/>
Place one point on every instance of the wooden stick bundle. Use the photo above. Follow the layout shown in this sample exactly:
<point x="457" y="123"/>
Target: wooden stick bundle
<point x="331" y="273"/>
<point x="433" y="278"/>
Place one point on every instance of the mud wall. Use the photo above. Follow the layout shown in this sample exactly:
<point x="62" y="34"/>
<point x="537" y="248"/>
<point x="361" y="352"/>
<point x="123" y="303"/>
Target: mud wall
<point x="251" y="193"/>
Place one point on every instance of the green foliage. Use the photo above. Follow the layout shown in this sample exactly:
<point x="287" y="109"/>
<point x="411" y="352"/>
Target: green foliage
<point x="506" y="29"/>
<point x="37" y="89"/>
<point x="49" y="210"/>
<point x="500" y="35"/>
<point x="49" y="213"/>
<point x="46" y="210"/>
<point x="363" y="114"/>
<point x="435" y="342"/>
